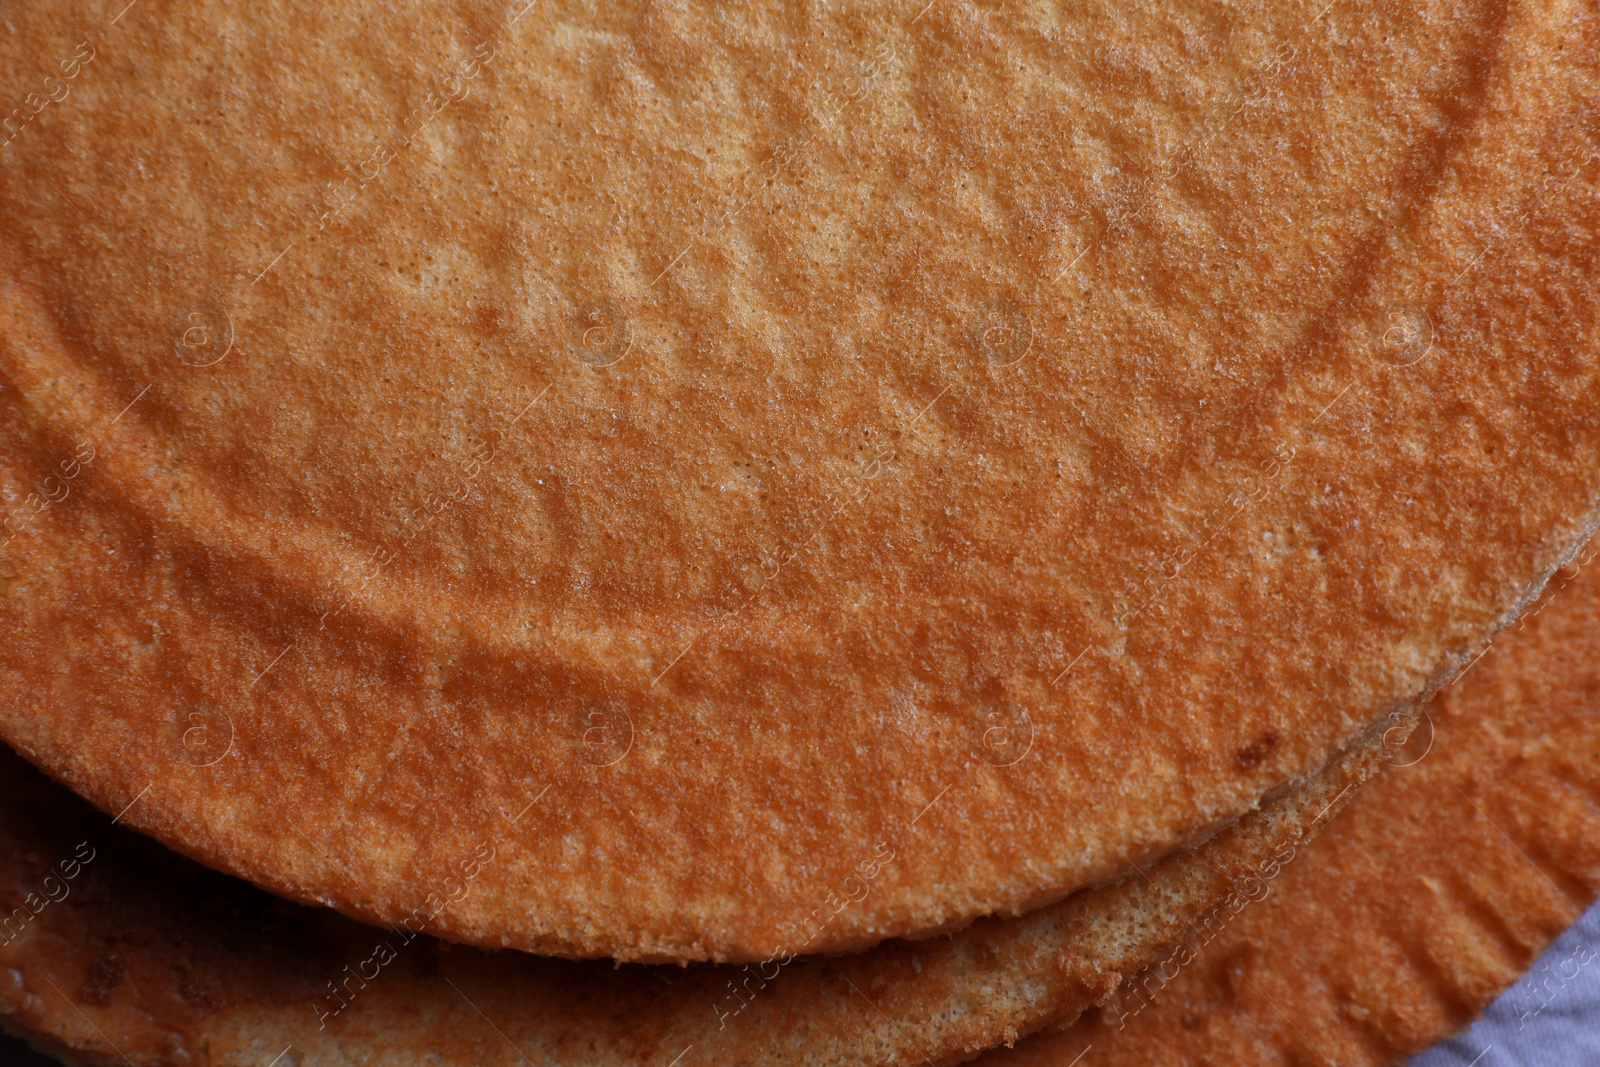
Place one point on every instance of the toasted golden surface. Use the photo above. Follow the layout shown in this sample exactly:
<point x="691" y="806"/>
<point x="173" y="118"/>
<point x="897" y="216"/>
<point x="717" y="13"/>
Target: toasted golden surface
<point x="688" y="448"/>
<point x="116" y="948"/>
<point x="1436" y="911"/>
<point x="1431" y="893"/>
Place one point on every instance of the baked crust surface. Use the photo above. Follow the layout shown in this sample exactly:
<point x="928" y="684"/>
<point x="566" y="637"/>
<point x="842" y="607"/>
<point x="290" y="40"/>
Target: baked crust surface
<point x="1433" y="892"/>
<point x="118" y="948"/>
<point x="686" y="448"/>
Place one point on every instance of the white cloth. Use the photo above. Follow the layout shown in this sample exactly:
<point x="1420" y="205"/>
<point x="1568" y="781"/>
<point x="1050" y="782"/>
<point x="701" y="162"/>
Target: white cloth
<point x="1551" y="1018"/>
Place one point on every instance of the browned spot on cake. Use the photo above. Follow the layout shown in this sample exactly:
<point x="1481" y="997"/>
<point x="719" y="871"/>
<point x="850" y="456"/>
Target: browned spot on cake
<point x="1256" y="753"/>
<point x="104" y="976"/>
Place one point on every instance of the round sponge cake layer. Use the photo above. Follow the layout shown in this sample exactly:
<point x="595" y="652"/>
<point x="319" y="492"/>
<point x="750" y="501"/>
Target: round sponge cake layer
<point x="691" y="452"/>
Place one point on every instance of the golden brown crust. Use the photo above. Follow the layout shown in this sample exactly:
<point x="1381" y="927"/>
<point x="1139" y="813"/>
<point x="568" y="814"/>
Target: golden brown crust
<point x="1432" y="892"/>
<point x="122" y="949"/>
<point x="1213" y="419"/>
<point x="188" y="961"/>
